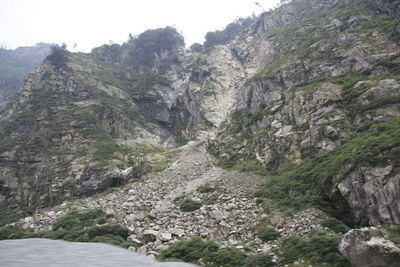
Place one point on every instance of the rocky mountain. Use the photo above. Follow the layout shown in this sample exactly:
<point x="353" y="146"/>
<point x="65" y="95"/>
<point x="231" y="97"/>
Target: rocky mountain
<point x="307" y="95"/>
<point x="15" y="64"/>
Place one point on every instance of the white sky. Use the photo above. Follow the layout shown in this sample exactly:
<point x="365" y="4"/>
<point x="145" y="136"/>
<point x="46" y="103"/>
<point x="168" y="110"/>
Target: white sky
<point x="91" y="23"/>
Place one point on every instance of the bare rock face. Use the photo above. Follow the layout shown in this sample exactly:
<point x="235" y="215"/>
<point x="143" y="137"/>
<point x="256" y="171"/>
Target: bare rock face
<point x="370" y="247"/>
<point x="371" y="194"/>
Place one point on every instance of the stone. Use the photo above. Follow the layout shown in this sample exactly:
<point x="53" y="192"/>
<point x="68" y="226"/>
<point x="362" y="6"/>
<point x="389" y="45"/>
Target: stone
<point x="369" y="247"/>
<point x="165" y="237"/>
<point x="142" y="250"/>
<point x="150" y="235"/>
<point x="132" y="248"/>
<point x="110" y="212"/>
<point x="176" y="231"/>
<point x="371" y="193"/>
<point x="161" y="248"/>
<point x="133" y="238"/>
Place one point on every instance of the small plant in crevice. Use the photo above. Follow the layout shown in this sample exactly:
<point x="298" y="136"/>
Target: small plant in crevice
<point x="205" y="188"/>
<point x="189" y="204"/>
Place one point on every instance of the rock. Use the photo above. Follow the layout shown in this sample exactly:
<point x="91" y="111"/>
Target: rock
<point x="371" y="192"/>
<point x="131" y="229"/>
<point x="369" y="247"/>
<point x="142" y="250"/>
<point x="177" y="231"/>
<point x="150" y="235"/>
<point x="161" y="248"/>
<point x="165" y="237"/>
<point x="141" y="215"/>
<point x="131" y="248"/>
<point x="110" y="212"/>
<point x="132" y="238"/>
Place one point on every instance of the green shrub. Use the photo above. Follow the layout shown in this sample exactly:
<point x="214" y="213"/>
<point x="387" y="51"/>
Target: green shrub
<point x="226" y="257"/>
<point x="75" y="219"/>
<point x="267" y="233"/>
<point x="205" y="188"/>
<point x="58" y="57"/>
<point x="191" y="250"/>
<point x="196" y="250"/>
<point x="10" y="216"/>
<point x="262" y="260"/>
<point x="318" y="248"/>
<point x="188" y="205"/>
<point x="335" y="225"/>
<point x="11" y="232"/>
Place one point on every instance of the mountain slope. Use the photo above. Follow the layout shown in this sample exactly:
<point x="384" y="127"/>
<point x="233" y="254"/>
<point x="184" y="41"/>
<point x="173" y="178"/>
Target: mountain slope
<point x="295" y="85"/>
<point x="335" y="75"/>
<point x="15" y="64"/>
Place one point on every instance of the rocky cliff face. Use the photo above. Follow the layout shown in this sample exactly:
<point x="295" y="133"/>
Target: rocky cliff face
<point x="303" y="83"/>
<point x="328" y="76"/>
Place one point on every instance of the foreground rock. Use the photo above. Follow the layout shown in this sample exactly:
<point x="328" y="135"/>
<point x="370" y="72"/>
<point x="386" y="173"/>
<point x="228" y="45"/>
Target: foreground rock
<point x="370" y="247"/>
<point x="45" y="252"/>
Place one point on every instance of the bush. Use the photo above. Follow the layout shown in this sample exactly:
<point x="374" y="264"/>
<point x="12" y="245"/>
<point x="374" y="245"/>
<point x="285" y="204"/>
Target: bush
<point x="267" y="233"/>
<point x="188" y="205"/>
<point x="11" y="232"/>
<point x="262" y="260"/>
<point x="196" y="250"/>
<point x="335" y="225"/>
<point x="191" y="250"/>
<point x="58" y="58"/>
<point x="205" y="188"/>
<point x="319" y="248"/>
<point x="226" y="257"/>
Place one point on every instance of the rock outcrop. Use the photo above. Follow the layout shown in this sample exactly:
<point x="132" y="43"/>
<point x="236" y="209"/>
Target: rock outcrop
<point x="371" y="193"/>
<point x="370" y="247"/>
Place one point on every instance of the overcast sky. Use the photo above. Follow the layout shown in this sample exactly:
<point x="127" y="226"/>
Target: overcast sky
<point x="91" y="23"/>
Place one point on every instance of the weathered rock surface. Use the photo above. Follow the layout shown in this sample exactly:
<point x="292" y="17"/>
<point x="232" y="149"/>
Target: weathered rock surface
<point x="371" y="193"/>
<point x="370" y="247"/>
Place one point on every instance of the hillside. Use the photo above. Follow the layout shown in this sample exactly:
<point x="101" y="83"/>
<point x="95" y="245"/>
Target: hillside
<point x="15" y="64"/>
<point x="290" y="119"/>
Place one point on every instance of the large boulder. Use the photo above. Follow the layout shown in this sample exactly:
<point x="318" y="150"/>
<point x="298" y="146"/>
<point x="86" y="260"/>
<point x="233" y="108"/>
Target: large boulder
<point x="370" y="247"/>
